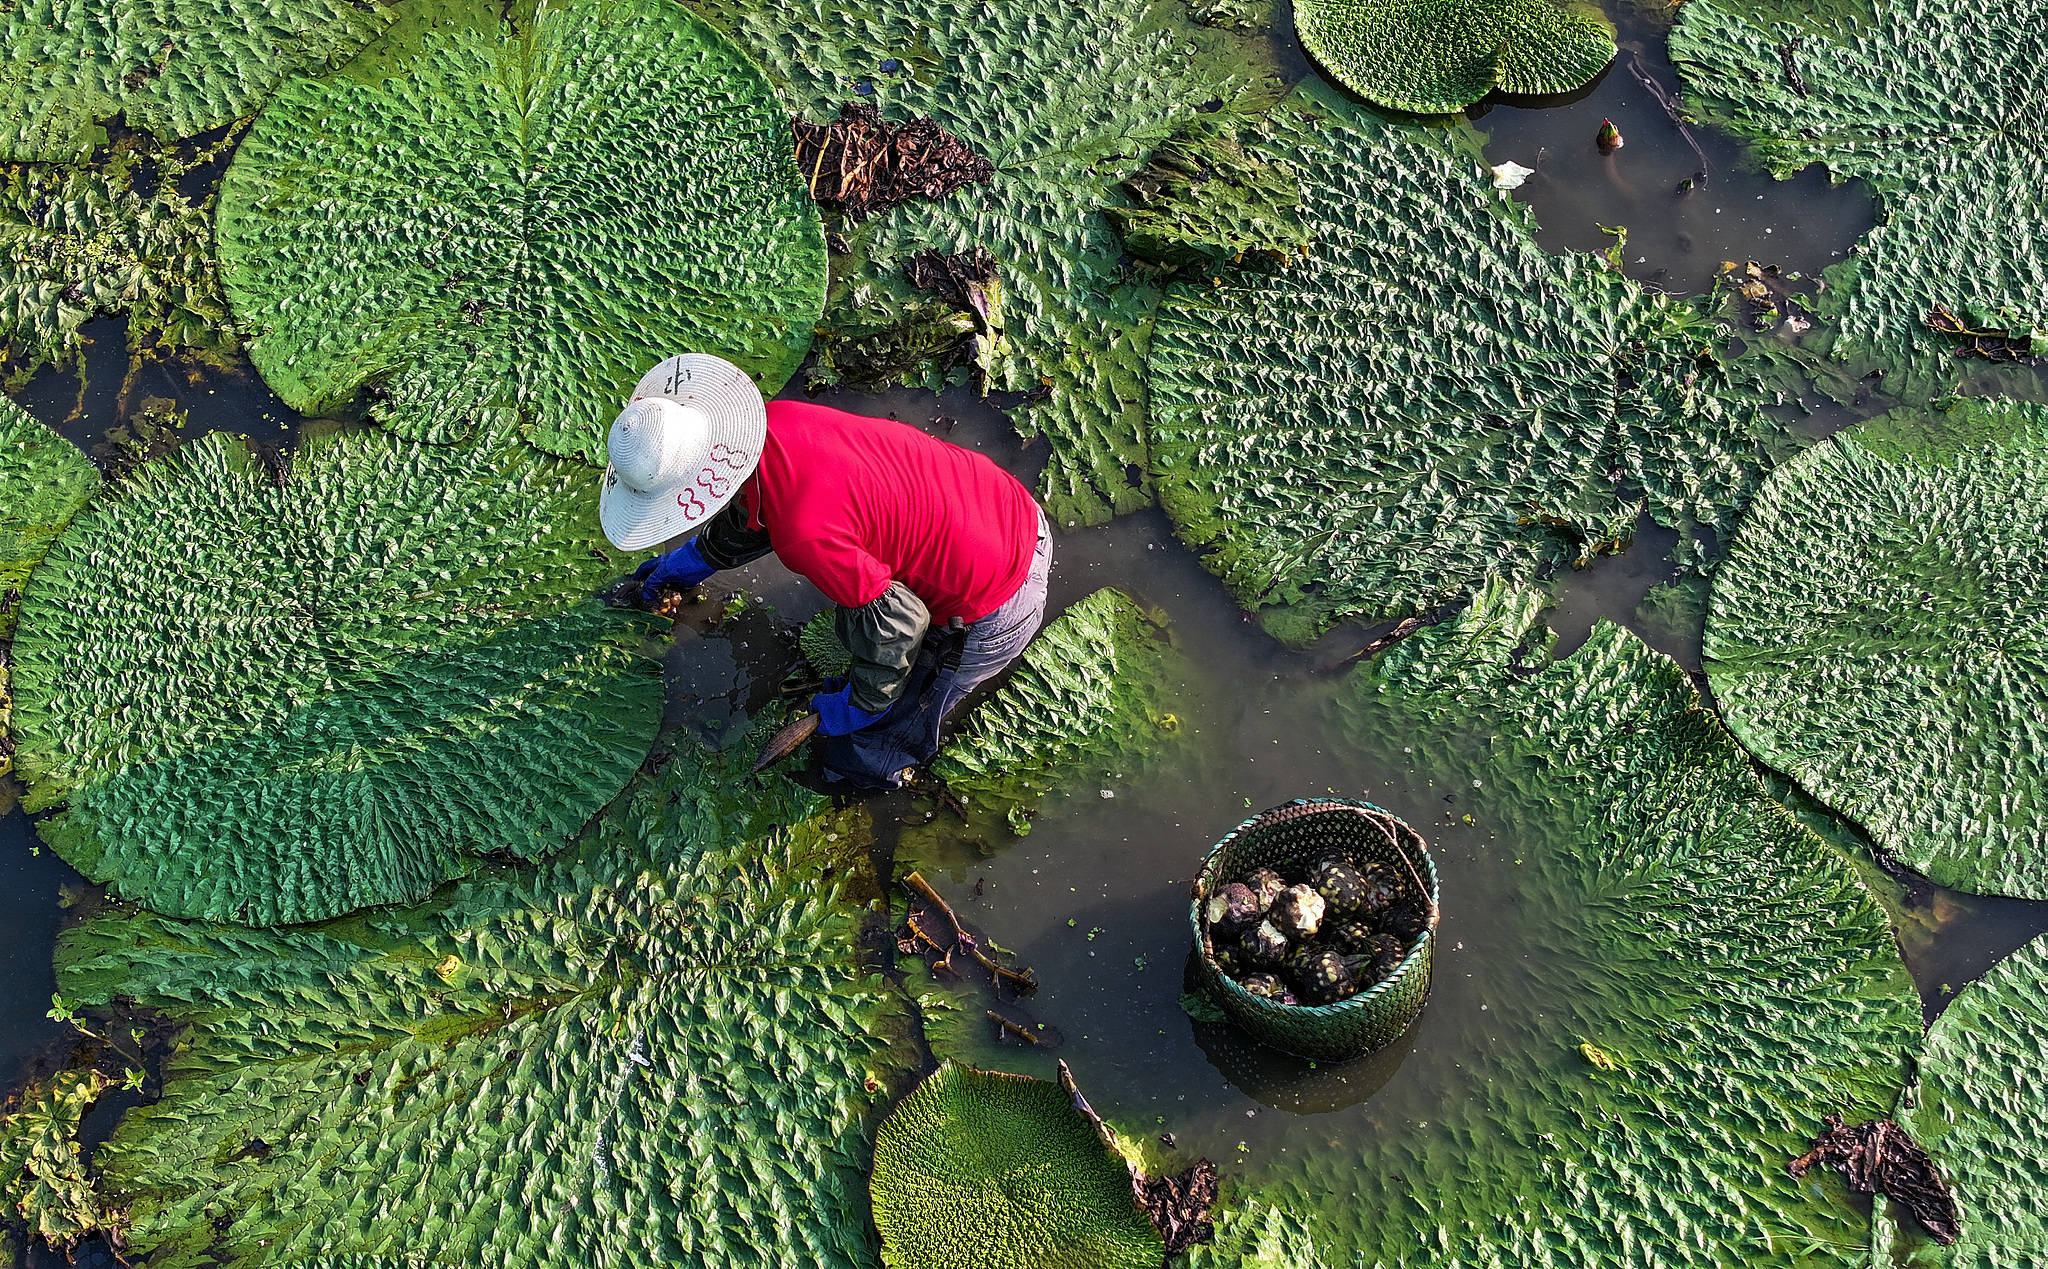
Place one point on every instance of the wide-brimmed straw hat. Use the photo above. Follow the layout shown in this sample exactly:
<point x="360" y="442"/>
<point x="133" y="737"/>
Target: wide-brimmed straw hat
<point x="680" y="450"/>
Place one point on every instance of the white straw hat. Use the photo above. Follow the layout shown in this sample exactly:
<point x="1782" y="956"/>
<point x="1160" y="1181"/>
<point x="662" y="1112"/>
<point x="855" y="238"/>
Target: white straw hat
<point x="680" y="450"/>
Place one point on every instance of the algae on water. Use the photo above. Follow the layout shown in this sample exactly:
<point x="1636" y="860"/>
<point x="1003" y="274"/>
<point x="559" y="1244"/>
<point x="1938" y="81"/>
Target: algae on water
<point x="1429" y="398"/>
<point x="279" y="694"/>
<point x="659" y="1048"/>
<point x="1879" y="632"/>
<point x="513" y="212"/>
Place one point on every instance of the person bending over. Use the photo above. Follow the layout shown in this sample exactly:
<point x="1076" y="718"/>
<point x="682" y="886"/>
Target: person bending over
<point x="936" y="557"/>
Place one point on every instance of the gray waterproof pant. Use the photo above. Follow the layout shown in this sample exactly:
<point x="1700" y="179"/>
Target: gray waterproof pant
<point x="951" y="665"/>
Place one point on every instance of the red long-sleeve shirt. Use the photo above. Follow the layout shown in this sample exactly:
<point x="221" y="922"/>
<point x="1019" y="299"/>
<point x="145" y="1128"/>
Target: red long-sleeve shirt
<point x="853" y="503"/>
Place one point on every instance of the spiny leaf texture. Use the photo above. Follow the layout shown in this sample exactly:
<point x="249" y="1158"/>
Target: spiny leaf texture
<point x="1436" y="56"/>
<point x="1739" y="980"/>
<point x="1942" y="106"/>
<point x="654" y="1050"/>
<point x="1429" y="397"/>
<point x="44" y="480"/>
<point x="1066" y="98"/>
<point x="999" y="1171"/>
<point x="173" y="67"/>
<point x="1879" y="632"/>
<point x="516" y="212"/>
<point x="282" y="694"/>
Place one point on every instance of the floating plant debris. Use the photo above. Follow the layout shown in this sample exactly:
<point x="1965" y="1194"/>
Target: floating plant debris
<point x="923" y="935"/>
<point x="269" y="701"/>
<point x="1436" y="56"/>
<point x="1372" y="432"/>
<point x="1936" y="105"/>
<point x="463" y="230"/>
<point x="43" y="1176"/>
<point x="1179" y="1205"/>
<point x="1875" y="629"/>
<point x="1990" y="336"/>
<point x="860" y="164"/>
<point x="1878" y="1157"/>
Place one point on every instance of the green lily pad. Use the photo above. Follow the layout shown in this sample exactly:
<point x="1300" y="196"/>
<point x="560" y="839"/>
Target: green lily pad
<point x="44" y="480"/>
<point x="82" y="242"/>
<point x="1430" y="398"/>
<point x="1679" y="980"/>
<point x="1878" y="633"/>
<point x="1940" y="107"/>
<point x="1088" y="699"/>
<point x="985" y="1170"/>
<point x="1066" y="98"/>
<point x="517" y="211"/>
<point x="281" y="693"/>
<point x="1975" y="1108"/>
<point x="173" y="67"/>
<point x="656" y="1049"/>
<point x="1436" y="56"/>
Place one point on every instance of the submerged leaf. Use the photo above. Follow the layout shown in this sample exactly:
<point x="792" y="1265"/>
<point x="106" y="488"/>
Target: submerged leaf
<point x="519" y="210"/>
<point x="1942" y="106"/>
<point x="1429" y="398"/>
<point x="78" y="243"/>
<point x="657" y="1052"/>
<point x="278" y="697"/>
<point x="1065" y="98"/>
<point x="1879" y="632"/>
<point x="1436" y="56"/>
<point x="1086" y="699"/>
<point x="42" y="1175"/>
<point x="44" y="480"/>
<point x="1658" y="903"/>
<point x="172" y="67"/>
<point x="999" y="1171"/>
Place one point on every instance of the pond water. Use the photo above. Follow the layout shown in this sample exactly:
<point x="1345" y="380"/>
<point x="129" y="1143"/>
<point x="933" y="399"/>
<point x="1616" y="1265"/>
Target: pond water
<point x="1095" y="898"/>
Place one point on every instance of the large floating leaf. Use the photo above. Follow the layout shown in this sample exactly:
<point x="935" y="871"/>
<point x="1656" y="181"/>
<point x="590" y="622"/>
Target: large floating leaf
<point x="1430" y="397"/>
<point x="278" y="695"/>
<point x="1977" y="1108"/>
<point x="655" y="1050"/>
<point x="42" y="1175"/>
<point x="78" y="243"/>
<point x="1939" y="104"/>
<point x="44" y="480"/>
<point x="1879" y="632"/>
<point x="521" y="210"/>
<point x="174" y="67"/>
<point x="1435" y="56"/>
<point x="1085" y="701"/>
<point x="986" y="1170"/>
<point x="1658" y="909"/>
<point x="1065" y="97"/>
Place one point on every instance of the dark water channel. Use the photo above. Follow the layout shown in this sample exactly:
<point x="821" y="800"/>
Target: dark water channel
<point x="1094" y="899"/>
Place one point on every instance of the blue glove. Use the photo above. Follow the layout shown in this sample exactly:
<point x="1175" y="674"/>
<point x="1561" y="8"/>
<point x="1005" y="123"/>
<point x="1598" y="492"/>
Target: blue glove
<point x="683" y="568"/>
<point x="837" y="714"/>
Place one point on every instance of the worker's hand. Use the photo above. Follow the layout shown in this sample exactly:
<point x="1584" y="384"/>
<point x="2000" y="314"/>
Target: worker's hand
<point x="682" y="569"/>
<point x="837" y="714"/>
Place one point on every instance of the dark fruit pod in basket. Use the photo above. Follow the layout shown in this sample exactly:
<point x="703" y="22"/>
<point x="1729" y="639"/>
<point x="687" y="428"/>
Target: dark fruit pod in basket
<point x="1298" y="912"/>
<point x="1267" y="885"/>
<point x="1340" y="883"/>
<point x="1232" y="908"/>
<point x="1264" y="944"/>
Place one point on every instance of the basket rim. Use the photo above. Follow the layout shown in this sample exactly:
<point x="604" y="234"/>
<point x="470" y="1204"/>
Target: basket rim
<point x="1351" y="1003"/>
